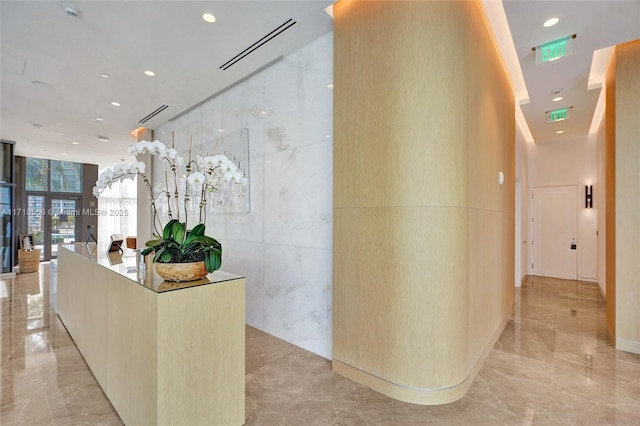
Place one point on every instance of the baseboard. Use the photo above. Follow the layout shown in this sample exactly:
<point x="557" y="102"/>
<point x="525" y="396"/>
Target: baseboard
<point x="422" y="396"/>
<point x="632" y="346"/>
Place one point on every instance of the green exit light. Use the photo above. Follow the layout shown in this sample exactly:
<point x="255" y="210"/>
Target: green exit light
<point x="558" y="114"/>
<point x="553" y="50"/>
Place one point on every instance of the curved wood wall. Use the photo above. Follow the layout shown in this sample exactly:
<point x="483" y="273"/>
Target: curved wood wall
<point x="423" y="232"/>
<point x="625" y="173"/>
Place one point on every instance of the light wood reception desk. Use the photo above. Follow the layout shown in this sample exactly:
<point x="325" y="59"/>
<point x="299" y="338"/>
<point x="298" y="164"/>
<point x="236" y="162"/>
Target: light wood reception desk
<point x="164" y="353"/>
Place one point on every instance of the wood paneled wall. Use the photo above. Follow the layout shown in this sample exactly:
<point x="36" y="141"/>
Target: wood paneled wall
<point x="610" y="190"/>
<point x="627" y="197"/>
<point x="423" y="232"/>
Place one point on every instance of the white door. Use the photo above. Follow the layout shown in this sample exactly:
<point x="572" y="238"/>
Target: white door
<point x="554" y="247"/>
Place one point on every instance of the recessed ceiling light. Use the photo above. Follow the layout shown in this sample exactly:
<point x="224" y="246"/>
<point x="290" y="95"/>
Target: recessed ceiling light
<point x="103" y="75"/>
<point x="330" y="86"/>
<point x="150" y="73"/>
<point x="70" y="10"/>
<point x="221" y="130"/>
<point x="63" y="153"/>
<point x="550" y="22"/>
<point x="41" y="83"/>
<point x="115" y="103"/>
<point x="559" y="132"/>
<point x="60" y="134"/>
<point x="75" y="143"/>
<point x="103" y="139"/>
<point x="209" y="18"/>
<point x="263" y="112"/>
<point x="557" y="98"/>
<point x="99" y="119"/>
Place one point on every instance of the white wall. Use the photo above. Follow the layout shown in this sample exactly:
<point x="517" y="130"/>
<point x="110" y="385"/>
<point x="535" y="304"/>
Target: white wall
<point x="284" y="245"/>
<point x="571" y="162"/>
<point x="522" y="208"/>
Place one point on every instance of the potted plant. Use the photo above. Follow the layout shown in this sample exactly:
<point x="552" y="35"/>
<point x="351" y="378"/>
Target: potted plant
<point x="180" y="254"/>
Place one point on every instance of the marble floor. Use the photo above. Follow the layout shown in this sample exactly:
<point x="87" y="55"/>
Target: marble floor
<point x="553" y="365"/>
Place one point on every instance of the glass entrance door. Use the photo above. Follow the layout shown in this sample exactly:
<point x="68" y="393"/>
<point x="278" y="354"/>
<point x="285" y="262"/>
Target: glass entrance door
<point x="36" y="211"/>
<point x="64" y="228"/>
<point x="52" y="221"/>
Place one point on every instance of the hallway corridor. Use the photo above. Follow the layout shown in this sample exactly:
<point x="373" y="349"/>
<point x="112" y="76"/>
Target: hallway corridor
<point x="553" y="365"/>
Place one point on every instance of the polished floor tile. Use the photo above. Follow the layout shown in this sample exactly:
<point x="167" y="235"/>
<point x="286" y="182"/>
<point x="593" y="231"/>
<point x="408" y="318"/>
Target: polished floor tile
<point x="554" y="364"/>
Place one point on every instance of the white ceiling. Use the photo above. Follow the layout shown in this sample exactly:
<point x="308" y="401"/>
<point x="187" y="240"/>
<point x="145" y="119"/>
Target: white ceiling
<point x="41" y="43"/>
<point x="597" y="25"/>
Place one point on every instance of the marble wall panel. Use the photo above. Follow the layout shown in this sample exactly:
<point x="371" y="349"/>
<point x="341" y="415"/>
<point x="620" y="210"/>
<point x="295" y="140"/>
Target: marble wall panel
<point x="283" y="246"/>
<point x="232" y="109"/>
<point x="248" y="226"/>
<point x="296" y="95"/>
<point x="297" y="296"/>
<point x="254" y="113"/>
<point x="251" y="265"/>
<point x="298" y="204"/>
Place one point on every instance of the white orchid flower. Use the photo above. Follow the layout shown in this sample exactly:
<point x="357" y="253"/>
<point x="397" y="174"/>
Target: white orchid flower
<point x="96" y="191"/>
<point x="233" y="176"/>
<point x="209" y="163"/>
<point x="101" y="184"/>
<point x="228" y="167"/>
<point x="144" y="147"/>
<point x="137" y="167"/>
<point x="120" y="168"/>
<point x="158" y="146"/>
<point x="171" y="153"/>
<point x="196" y="179"/>
<point x="106" y="175"/>
<point x="217" y="160"/>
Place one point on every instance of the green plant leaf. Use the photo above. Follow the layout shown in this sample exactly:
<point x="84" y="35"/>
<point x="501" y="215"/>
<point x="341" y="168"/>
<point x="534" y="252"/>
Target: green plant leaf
<point x="214" y="257"/>
<point x="203" y="240"/>
<point x="168" y="229"/>
<point x="197" y="230"/>
<point x="156" y="257"/>
<point x="166" y="257"/>
<point x="178" y="232"/>
<point x="153" y="243"/>
<point x="146" y="251"/>
<point x="207" y="263"/>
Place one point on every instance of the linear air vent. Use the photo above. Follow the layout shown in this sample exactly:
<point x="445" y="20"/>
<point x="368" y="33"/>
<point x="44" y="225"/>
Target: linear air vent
<point x="270" y="36"/>
<point x="153" y="114"/>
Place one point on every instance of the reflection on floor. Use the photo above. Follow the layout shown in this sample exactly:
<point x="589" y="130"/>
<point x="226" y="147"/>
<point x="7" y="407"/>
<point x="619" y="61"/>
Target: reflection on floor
<point x="554" y="364"/>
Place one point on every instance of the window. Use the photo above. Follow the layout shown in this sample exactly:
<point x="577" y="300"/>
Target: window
<point x="36" y="174"/>
<point x="120" y="207"/>
<point x="53" y="176"/>
<point x="66" y="176"/>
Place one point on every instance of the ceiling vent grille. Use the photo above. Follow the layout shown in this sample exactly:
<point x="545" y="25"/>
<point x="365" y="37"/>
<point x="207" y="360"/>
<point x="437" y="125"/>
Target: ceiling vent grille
<point x="153" y="114"/>
<point x="270" y="36"/>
